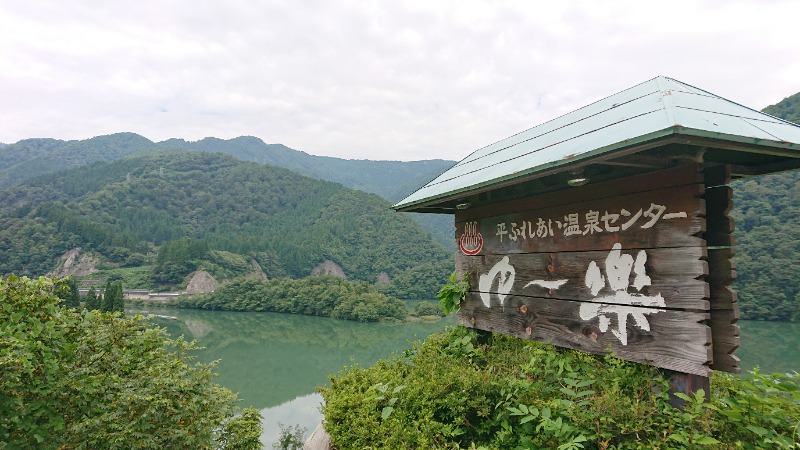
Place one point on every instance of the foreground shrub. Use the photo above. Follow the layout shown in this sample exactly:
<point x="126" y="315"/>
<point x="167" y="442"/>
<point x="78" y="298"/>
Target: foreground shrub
<point x="452" y="392"/>
<point x="86" y="380"/>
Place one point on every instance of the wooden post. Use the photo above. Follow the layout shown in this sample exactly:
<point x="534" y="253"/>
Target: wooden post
<point x="688" y="384"/>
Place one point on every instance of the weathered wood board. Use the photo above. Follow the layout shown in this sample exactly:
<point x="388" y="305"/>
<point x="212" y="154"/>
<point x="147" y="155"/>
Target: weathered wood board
<point x="676" y="340"/>
<point x="623" y="267"/>
<point x="674" y="274"/>
<point x="671" y="217"/>
<point x="722" y="269"/>
<point x="690" y="173"/>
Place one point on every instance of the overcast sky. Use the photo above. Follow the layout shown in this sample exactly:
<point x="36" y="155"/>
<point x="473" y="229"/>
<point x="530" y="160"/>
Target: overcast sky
<point x="369" y="79"/>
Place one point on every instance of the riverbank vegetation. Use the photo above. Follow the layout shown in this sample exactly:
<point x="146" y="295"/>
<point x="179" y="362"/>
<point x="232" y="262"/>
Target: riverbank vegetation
<point x="78" y="379"/>
<point x="324" y="296"/>
<point x="460" y="390"/>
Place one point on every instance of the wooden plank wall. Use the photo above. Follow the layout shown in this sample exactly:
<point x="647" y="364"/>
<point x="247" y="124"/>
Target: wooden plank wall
<point x="722" y="269"/>
<point x="620" y="266"/>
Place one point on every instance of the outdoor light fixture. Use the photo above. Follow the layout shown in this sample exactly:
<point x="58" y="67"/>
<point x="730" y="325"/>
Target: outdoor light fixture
<point x="464" y="205"/>
<point x="578" y="178"/>
<point x="577" y="181"/>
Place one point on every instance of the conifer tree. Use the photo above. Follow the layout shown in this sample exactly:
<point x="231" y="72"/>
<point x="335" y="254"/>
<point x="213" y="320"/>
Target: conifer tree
<point x="92" y="300"/>
<point x="67" y="290"/>
<point x="118" y="301"/>
<point x="107" y="304"/>
<point x="73" y="299"/>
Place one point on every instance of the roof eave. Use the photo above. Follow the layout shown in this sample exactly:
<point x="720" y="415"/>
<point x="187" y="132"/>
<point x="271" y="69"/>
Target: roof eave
<point x="629" y="146"/>
<point x="543" y="170"/>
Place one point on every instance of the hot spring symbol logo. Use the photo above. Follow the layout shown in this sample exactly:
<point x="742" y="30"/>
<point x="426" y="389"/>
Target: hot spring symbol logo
<point x="471" y="242"/>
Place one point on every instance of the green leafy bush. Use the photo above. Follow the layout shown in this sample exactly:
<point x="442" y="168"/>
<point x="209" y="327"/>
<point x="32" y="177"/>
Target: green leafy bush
<point x="243" y="432"/>
<point x="86" y="379"/>
<point x="517" y="394"/>
<point x="290" y="438"/>
<point x="453" y="292"/>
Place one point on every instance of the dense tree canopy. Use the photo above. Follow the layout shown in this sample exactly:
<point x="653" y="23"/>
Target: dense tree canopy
<point x="765" y="212"/>
<point x="85" y="380"/>
<point x="184" y="208"/>
<point x="315" y="296"/>
<point x="786" y="109"/>
<point x="392" y="180"/>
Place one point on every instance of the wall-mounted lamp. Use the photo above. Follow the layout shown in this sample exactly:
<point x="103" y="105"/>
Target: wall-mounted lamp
<point x="578" y="178"/>
<point x="577" y="181"/>
<point x="464" y="205"/>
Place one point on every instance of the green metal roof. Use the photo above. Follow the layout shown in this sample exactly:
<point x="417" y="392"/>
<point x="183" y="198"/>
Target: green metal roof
<point x="648" y="112"/>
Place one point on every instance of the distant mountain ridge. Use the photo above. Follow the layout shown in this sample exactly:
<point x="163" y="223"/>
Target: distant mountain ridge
<point x="392" y="180"/>
<point x="389" y="179"/>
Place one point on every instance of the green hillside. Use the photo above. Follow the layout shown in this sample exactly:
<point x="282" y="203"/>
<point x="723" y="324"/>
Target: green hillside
<point x="392" y="180"/>
<point x="244" y="215"/>
<point x="33" y="157"/>
<point x="766" y="211"/>
<point x="180" y="211"/>
<point x="786" y="109"/>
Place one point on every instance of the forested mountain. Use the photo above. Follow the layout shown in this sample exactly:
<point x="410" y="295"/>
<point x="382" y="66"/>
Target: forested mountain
<point x="766" y="212"/>
<point x="392" y="180"/>
<point x="786" y="109"/>
<point x="179" y="211"/>
<point x="32" y="157"/>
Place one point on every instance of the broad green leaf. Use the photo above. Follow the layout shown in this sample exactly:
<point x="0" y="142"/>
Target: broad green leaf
<point x="706" y="440"/>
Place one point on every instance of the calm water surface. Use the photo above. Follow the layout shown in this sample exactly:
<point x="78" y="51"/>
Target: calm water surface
<point x="275" y="361"/>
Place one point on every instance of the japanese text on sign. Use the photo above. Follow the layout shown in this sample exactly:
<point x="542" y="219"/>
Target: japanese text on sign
<point x="591" y="222"/>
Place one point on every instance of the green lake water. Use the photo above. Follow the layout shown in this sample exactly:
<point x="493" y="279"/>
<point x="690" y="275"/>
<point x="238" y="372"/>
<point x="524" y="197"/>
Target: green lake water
<point x="275" y="361"/>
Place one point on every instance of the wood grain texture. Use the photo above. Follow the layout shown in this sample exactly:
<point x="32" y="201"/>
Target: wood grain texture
<point x="675" y="273"/>
<point x="721" y="273"/>
<point x="721" y="268"/>
<point x="689" y="173"/>
<point x="662" y="218"/>
<point x="717" y="175"/>
<point x="558" y="268"/>
<point x="676" y="340"/>
<point x="725" y="339"/>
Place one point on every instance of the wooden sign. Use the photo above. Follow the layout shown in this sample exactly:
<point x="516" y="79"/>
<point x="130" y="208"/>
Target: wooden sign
<point x="623" y="267"/>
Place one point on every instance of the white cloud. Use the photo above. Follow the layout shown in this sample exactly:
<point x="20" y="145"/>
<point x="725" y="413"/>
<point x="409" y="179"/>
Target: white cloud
<point x="381" y="80"/>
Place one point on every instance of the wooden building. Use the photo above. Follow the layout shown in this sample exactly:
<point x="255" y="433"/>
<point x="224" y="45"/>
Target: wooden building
<point x="607" y="229"/>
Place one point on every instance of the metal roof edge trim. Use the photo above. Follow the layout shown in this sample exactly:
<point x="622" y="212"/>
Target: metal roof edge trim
<point x="656" y="135"/>
<point x="711" y="94"/>
<point x="674" y="130"/>
<point x="686" y="131"/>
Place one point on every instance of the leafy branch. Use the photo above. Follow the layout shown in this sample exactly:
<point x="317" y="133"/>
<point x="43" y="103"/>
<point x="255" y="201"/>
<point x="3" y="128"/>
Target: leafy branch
<point x="452" y="293"/>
